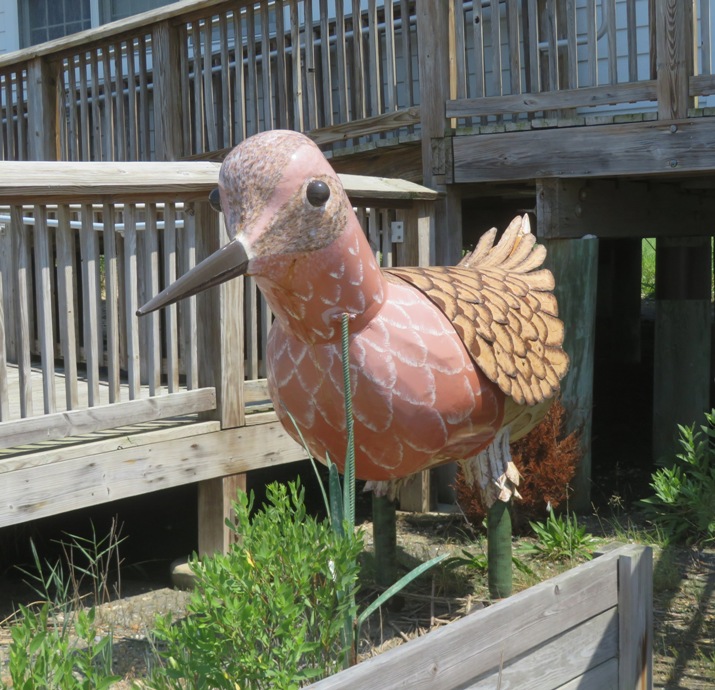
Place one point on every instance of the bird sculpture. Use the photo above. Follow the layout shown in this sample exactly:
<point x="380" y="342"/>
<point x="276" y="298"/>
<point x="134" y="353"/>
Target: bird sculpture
<point x="446" y="363"/>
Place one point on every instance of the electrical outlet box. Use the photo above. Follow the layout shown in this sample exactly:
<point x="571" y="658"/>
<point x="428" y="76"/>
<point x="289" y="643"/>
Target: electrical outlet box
<point x="397" y="228"/>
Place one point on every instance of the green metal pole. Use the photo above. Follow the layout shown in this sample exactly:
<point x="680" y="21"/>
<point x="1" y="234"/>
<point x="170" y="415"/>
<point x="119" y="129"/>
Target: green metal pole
<point x="384" y="526"/>
<point x="499" y="550"/>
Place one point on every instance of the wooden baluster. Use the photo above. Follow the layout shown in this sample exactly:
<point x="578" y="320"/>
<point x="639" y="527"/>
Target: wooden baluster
<point x="188" y="306"/>
<point x="266" y="79"/>
<point x="224" y="136"/>
<point x="208" y="86"/>
<point x="281" y="85"/>
<point x="325" y="66"/>
<point x="111" y="292"/>
<point x="311" y="113"/>
<point x="23" y="268"/>
<point x="390" y="59"/>
<point x="358" y="68"/>
<point x="253" y="120"/>
<point x="120" y="130"/>
<point x="170" y="312"/>
<point x="343" y="77"/>
<point x="374" y="71"/>
<point x="240" y="96"/>
<point x="4" y="388"/>
<point x="151" y="282"/>
<point x="97" y="148"/>
<point x="168" y="94"/>
<point x="514" y="38"/>
<point x="66" y="302"/>
<point x="89" y="249"/>
<point x="608" y="7"/>
<point x="44" y="266"/>
<point x="133" y="143"/>
<point x="108" y="116"/>
<point x="131" y="299"/>
<point x="143" y="126"/>
<point x="592" y="42"/>
<point x="407" y="52"/>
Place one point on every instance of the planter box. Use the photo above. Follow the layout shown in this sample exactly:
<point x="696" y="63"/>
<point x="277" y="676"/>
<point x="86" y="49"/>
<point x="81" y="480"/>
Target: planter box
<point x="590" y="628"/>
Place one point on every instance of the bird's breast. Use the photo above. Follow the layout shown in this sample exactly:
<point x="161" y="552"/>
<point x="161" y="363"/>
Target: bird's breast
<point x="418" y="400"/>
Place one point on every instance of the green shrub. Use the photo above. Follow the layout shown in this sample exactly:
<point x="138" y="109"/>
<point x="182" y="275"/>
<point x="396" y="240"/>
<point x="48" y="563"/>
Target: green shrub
<point x="683" y="506"/>
<point x="270" y="613"/>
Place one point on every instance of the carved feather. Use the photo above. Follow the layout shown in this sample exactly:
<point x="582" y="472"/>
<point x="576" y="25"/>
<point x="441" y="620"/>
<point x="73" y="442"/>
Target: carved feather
<point x="500" y="300"/>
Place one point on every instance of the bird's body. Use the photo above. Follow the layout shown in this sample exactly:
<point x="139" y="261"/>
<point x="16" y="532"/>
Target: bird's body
<point x="446" y="363"/>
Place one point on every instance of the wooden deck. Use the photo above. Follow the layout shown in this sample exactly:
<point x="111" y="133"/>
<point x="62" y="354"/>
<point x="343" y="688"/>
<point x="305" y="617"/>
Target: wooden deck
<point x="98" y="405"/>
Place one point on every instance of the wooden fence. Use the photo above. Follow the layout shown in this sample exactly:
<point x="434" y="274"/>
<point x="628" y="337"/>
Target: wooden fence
<point x="589" y="628"/>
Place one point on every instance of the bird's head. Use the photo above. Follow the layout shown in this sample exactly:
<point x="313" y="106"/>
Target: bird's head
<point x="280" y="198"/>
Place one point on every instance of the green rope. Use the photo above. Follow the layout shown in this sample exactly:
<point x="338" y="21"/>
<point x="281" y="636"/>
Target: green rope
<point x="349" y="474"/>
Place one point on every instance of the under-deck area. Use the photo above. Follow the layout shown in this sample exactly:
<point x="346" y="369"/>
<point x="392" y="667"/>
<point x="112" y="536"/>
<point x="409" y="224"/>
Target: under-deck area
<point x="595" y="116"/>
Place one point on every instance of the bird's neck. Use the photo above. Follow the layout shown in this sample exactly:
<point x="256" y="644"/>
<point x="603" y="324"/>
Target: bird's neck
<point x="309" y="293"/>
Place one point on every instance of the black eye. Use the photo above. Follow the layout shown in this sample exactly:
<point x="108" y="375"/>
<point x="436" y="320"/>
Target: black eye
<point x="317" y="193"/>
<point x="215" y="200"/>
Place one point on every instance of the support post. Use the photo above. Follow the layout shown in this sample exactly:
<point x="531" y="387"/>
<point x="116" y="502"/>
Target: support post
<point x="499" y="550"/>
<point x="384" y="535"/>
<point x="168" y="135"/>
<point x="221" y="365"/>
<point x="43" y="140"/>
<point x="216" y="497"/>
<point x="574" y="264"/>
<point x="681" y="367"/>
<point x="674" y="56"/>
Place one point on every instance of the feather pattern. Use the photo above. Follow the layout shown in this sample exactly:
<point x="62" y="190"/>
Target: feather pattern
<point x="500" y="301"/>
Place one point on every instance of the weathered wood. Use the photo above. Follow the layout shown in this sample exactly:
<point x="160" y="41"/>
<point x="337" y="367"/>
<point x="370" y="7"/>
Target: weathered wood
<point x="366" y="126"/>
<point x="384" y="537"/>
<point x="640" y="148"/>
<point x="59" y="425"/>
<point x="111" y="301"/>
<point x="462" y="652"/>
<point x="4" y="393"/>
<point x="171" y="329"/>
<point x="131" y="470"/>
<point x="674" y="55"/>
<point x="215" y="500"/>
<point x="683" y="324"/>
<point x="22" y="292"/>
<point x="42" y="96"/>
<point x="67" y="302"/>
<point x="623" y="208"/>
<point x="574" y="264"/>
<point x="610" y="94"/>
<point x="635" y="619"/>
<point x="168" y="95"/>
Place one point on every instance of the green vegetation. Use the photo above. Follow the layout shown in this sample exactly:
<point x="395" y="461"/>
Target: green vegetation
<point x="560" y="538"/>
<point x="682" y="506"/>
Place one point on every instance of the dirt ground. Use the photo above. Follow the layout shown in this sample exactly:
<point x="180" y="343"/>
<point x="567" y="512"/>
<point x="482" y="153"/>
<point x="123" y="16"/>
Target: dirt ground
<point x="684" y="604"/>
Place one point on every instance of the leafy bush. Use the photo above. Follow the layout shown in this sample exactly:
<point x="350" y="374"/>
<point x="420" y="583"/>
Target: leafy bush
<point x="269" y="613"/>
<point x="560" y="538"/>
<point x="683" y="506"/>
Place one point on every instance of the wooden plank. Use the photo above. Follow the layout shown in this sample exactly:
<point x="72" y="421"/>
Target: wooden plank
<point x="635" y="608"/>
<point x="143" y="111"/>
<point x="369" y="125"/>
<point x="108" y="123"/>
<point x="341" y="62"/>
<point x="532" y="56"/>
<point x="96" y="134"/>
<point x="572" y="45"/>
<point x="131" y="300"/>
<point x="326" y="81"/>
<point x="390" y="84"/>
<point x="311" y="113"/>
<point x="240" y="95"/>
<point x="406" y="69"/>
<point x="133" y="143"/>
<point x="70" y="98"/>
<point x="89" y="249"/>
<point x="151" y="285"/>
<point x="66" y="272"/>
<point x="609" y="10"/>
<point x="358" y="68"/>
<point x="187" y="307"/>
<point x="461" y="652"/>
<point x="252" y="116"/>
<point x="4" y="392"/>
<point x="266" y="72"/>
<point x="281" y="84"/>
<point x="632" y="38"/>
<point x="602" y="677"/>
<point x="130" y="470"/>
<point x="119" y="103"/>
<point x="373" y="60"/>
<point x="646" y="148"/>
<point x="566" y="98"/>
<point x="44" y="268"/>
<point x="561" y="659"/>
<point x="215" y="500"/>
<point x="209" y="112"/>
<point x="59" y="425"/>
<point x="296" y="66"/>
<point x="23" y="271"/>
<point x="251" y="328"/>
<point x="84" y="129"/>
<point x="224" y="134"/>
<point x="171" y="330"/>
<point x="111" y="301"/>
<point x="495" y="61"/>
<point x="42" y="83"/>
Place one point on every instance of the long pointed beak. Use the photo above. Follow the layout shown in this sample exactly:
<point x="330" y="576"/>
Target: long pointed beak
<point x="226" y="263"/>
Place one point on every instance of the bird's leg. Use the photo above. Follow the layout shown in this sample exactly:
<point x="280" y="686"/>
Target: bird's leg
<point x="389" y="489"/>
<point x="493" y="471"/>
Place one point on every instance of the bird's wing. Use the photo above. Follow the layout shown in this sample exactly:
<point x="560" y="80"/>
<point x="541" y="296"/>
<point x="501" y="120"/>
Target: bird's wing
<point x="501" y="303"/>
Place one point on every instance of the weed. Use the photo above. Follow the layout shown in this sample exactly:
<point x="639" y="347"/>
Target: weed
<point x="560" y="538"/>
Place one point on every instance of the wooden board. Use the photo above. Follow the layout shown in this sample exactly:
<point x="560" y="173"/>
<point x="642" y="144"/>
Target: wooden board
<point x="639" y="148"/>
<point x="128" y="470"/>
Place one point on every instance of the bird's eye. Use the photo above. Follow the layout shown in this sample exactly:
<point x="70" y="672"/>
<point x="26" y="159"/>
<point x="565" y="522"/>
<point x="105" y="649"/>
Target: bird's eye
<point x="215" y="200"/>
<point x="317" y="193"/>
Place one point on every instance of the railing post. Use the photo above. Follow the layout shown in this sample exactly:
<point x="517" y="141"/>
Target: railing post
<point x="221" y="365"/>
<point x="43" y="82"/>
<point x="168" y="133"/>
<point x="674" y="56"/>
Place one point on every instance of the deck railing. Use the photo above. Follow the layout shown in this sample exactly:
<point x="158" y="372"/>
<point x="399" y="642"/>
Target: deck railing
<point x="82" y="245"/>
<point x="197" y="77"/>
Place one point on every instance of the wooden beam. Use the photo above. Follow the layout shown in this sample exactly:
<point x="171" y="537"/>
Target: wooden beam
<point x="129" y="469"/>
<point x="376" y="124"/>
<point x="215" y="501"/>
<point x="622" y="208"/>
<point x="43" y="140"/>
<point x="552" y="100"/>
<point x="168" y="100"/>
<point x="638" y="148"/>
<point x="53" y="427"/>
